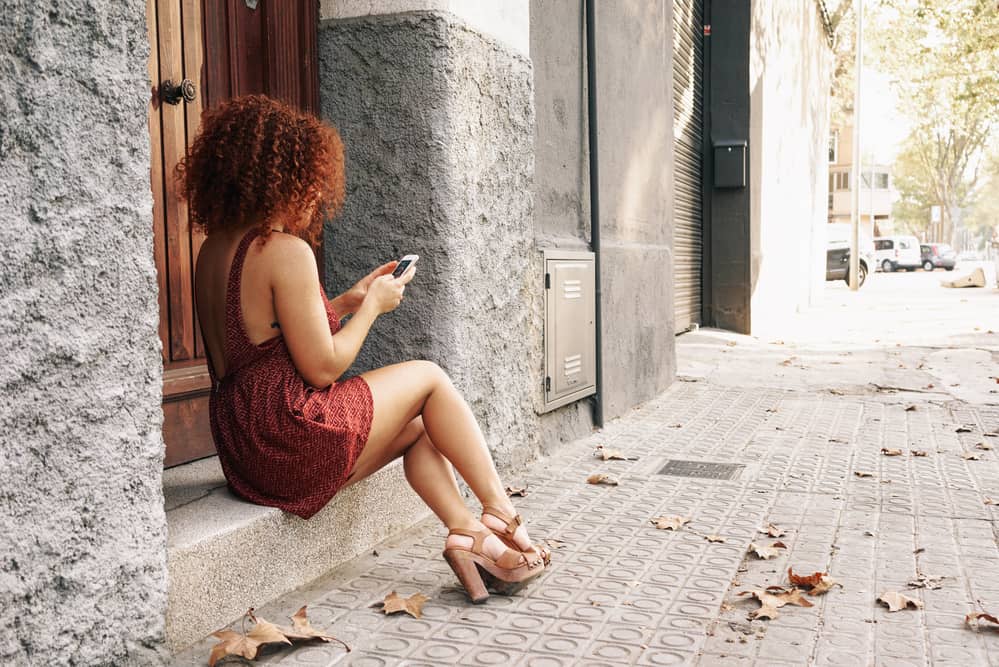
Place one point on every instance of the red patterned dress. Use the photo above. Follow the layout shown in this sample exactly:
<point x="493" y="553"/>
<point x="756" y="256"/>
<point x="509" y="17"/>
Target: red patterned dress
<point x="281" y="442"/>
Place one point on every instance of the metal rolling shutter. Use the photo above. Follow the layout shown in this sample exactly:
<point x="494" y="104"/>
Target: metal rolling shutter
<point x="688" y="33"/>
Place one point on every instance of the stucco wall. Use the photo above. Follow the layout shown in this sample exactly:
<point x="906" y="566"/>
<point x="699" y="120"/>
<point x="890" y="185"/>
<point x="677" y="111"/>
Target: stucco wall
<point x="634" y="81"/>
<point x="82" y="532"/>
<point x="789" y="73"/>
<point x="437" y="120"/>
<point x="502" y="20"/>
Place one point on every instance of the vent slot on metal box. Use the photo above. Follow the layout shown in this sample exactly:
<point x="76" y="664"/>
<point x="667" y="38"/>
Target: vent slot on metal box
<point x="570" y="327"/>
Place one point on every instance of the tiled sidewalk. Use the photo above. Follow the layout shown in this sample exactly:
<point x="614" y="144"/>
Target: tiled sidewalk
<point x="622" y="592"/>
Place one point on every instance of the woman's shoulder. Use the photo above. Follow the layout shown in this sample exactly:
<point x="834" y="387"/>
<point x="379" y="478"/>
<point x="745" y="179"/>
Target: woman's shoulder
<point x="287" y="256"/>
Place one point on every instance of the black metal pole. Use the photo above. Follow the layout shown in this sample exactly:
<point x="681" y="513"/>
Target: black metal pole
<point x="591" y="119"/>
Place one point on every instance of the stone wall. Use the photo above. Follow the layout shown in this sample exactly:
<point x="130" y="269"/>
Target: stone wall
<point x="438" y="120"/>
<point x="82" y="532"/>
<point x="789" y="75"/>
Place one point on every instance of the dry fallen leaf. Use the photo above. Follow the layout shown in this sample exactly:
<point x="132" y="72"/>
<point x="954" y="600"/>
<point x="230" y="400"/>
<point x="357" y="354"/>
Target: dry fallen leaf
<point x="926" y="581"/>
<point x="553" y="544"/>
<point x="714" y="538"/>
<point x="911" y="408"/>
<point x="963" y="429"/>
<point x="863" y="473"/>
<point x="670" y="522"/>
<point x="413" y="605"/>
<point x="971" y="456"/>
<point x="731" y="343"/>
<point x="612" y="454"/>
<point x="818" y="583"/>
<point x="989" y="501"/>
<point x="917" y="452"/>
<point x="773" y="598"/>
<point x="891" y="452"/>
<point x="986" y="446"/>
<point x="520" y="491"/>
<point x="765" y="552"/>
<point x="773" y="531"/>
<point x="601" y="478"/>
<point x="246" y="645"/>
<point x="974" y="617"/>
<point x="897" y="601"/>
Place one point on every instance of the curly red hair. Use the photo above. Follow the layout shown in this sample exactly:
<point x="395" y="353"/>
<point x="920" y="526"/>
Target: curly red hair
<point x="256" y="157"/>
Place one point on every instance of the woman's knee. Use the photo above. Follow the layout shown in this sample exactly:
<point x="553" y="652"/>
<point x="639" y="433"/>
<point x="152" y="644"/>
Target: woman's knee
<point x="431" y="371"/>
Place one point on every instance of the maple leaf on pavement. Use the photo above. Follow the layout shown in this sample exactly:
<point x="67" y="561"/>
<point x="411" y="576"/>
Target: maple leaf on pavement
<point x="891" y="452"/>
<point x="246" y="645"/>
<point x="714" y="538"/>
<point x="818" y="582"/>
<point x="670" y="522"/>
<point x="984" y="446"/>
<point x="862" y="473"/>
<point x="926" y="581"/>
<point x="970" y="456"/>
<point x="773" y="598"/>
<point x="601" y="478"/>
<point x="917" y="452"/>
<point x="974" y="617"/>
<point x="765" y="552"/>
<point x="773" y="531"/>
<point x="301" y="629"/>
<point x="612" y="454"/>
<point x="897" y="601"/>
<point x="413" y="605"/>
<point x="520" y="491"/>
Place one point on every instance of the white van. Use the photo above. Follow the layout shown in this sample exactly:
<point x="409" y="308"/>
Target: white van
<point x="897" y="252"/>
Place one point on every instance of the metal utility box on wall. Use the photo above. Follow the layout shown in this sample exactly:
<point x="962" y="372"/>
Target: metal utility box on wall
<point x="730" y="164"/>
<point x="570" y="327"/>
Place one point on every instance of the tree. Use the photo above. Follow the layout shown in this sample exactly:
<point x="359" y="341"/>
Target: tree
<point x="943" y="60"/>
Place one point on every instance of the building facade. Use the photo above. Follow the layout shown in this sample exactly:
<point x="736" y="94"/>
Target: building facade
<point x="695" y="200"/>
<point x="876" y="195"/>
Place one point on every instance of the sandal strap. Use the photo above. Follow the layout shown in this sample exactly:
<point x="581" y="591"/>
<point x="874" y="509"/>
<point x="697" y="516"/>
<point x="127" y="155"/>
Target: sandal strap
<point x="510" y="558"/>
<point x="512" y="522"/>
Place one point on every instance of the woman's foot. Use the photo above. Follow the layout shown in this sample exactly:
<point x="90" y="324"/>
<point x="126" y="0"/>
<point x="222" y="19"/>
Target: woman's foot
<point x="479" y="559"/>
<point x="509" y="527"/>
<point x="492" y="546"/>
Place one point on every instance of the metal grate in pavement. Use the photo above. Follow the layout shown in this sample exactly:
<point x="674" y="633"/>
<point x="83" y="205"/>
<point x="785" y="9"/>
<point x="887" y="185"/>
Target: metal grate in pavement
<point x="702" y="469"/>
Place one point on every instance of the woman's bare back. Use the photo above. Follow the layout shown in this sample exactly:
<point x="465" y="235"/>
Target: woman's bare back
<point x="211" y="281"/>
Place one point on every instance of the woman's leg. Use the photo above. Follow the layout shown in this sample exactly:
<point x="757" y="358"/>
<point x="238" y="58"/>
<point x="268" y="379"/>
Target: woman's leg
<point x="402" y="392"/>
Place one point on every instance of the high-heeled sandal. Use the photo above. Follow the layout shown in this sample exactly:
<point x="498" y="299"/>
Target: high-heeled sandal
<point x="474" y="568"/>
<point x="506" y="535"/>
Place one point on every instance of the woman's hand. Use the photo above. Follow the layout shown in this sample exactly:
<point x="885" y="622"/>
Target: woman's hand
<point x="351" y="300"/>
<point x="384" y="293"/>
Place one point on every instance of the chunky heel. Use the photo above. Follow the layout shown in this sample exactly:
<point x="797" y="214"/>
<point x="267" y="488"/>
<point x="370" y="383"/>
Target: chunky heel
<point x="468" y="574"/>
<point x="475" y="569"/>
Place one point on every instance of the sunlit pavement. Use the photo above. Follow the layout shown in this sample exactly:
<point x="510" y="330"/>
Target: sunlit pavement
<point x="796" y="413"/>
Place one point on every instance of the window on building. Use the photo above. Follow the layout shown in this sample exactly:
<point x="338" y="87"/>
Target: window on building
<point x="833" y="146"/>
<point x="881" y="180"/>
<point x="830" y="201"/>
<point x="841" y="180"/>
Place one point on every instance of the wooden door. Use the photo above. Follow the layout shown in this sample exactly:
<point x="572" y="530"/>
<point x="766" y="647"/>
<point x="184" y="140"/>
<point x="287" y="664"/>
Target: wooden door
<point x="224" y="48"/>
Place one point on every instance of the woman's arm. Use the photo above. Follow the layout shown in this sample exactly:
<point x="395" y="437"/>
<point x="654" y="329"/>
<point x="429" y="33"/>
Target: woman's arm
<point x="348" y="302"/>
<point x="320" y="358"/>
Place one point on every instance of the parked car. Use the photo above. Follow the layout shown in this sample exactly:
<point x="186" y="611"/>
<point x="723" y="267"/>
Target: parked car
<point x="938" y="254"/>
<point x="838" y="264"/>
<point x="897" y="252"/>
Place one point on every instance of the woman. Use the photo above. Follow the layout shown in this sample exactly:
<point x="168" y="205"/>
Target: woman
<point x="260" y="179"/>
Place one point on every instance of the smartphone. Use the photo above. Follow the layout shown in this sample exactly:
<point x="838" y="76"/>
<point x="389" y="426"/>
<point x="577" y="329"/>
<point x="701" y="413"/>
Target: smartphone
<point x="404" y="265"/>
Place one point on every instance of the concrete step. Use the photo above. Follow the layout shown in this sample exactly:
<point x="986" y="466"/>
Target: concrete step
<point x="225" y="555"/>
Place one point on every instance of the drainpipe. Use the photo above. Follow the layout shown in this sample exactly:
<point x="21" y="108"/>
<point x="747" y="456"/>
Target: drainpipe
<point x="591" y="121"/>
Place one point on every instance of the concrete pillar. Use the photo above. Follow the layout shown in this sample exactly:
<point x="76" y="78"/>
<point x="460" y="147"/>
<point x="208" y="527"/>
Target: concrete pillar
<point x="437" y="119"/>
